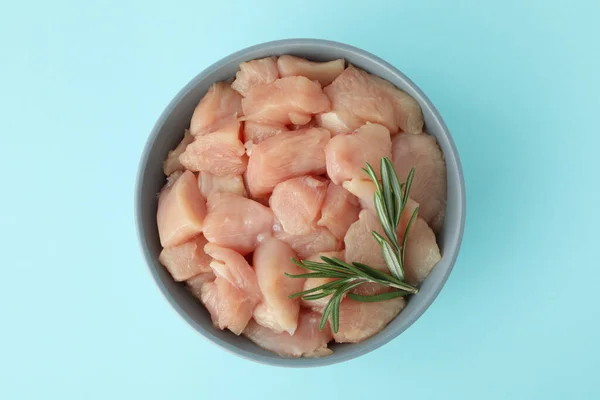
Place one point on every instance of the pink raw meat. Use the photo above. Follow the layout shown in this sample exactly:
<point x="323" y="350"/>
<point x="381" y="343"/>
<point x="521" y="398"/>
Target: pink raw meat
<point x="219" y="107"/>
<point x="297" y="203"/>
<point x="181" y="211"/>
<point x="285" y="156"/>
<point x="255" y="132"/>
<point x="334" y="121"/>
<point x="209" y="184"/>
<point x="221" y="152"/>
<point x="195" y="283"/>
<point x="324" y="72"/>
<point x="171" y="163"/>
<point x="422" y="251"/>
<point x="359" y="321"/>
<point x="361" y="246"/>
<point x="235" y="222"/>
<point x="311" y="124"/>
<point x="255" y="72"/>
<point x="233" y="267"/>
<point x="271" y="260"/>
<point x="319" y="240"/>
<point x="429" y="184"/>
<point x="228" y="306"/>
<point x="364" y="190"/>
<point x="234" y="294"/>
<point x="358" y="97"/>
<point x="307" y="341"/>
<point x="187" y="259"/>
<point x="347" y="155"/>
<point x="284" y="99"/>
<point x="339" y="211"/>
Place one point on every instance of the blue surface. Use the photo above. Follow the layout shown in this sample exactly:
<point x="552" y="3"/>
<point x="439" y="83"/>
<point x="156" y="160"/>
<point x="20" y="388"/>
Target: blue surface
<point x="81" y="85"/>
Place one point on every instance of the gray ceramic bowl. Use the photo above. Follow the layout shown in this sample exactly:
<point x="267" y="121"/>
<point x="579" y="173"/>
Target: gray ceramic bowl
<point x="168" y="131"/>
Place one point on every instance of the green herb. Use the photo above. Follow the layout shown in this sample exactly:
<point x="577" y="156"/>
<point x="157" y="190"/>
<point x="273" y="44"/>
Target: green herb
<point x="347" y="277"/>
<point x="390" y="199"/>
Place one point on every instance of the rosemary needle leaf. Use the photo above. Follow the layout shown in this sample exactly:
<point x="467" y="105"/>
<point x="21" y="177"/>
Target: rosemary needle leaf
<point x="356" y="272"/>
<point x="407" y="186"/>
<point x="335" y="261"/>
<point x="378" y="297"/>
<point x="320" y="267"/>
<point x="377" y="274"/>
<point x="335" y="313"/>
<point x="326" y="312"/>
<point x="388" y="194"/>
<point x="371" y="172"/>
<point x="342" y="264"/>
<point x="386" y="224"/>
<point x="326" y="268"/>
<point x="336" y="300"/>
<point x="327" y="286"/>
<point x="406" y="232"/>
<point x="391" y="259"/>
<point x="316" y="296"/>
<point x="397" y="190"/>
<point x="317" y="275"/>
<point x="385" y="279"/>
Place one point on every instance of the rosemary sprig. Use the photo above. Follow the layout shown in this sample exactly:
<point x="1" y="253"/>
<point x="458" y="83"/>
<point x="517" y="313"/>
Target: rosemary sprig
<point x="390" y="200"/>
<point x="347" y="277"/>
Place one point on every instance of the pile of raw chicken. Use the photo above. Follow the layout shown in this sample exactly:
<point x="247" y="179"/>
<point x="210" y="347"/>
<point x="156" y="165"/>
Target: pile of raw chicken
<point x="271" y="168"/>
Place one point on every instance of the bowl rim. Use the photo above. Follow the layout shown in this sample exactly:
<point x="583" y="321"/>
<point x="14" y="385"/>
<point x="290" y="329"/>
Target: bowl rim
<point x="274" y="45"/>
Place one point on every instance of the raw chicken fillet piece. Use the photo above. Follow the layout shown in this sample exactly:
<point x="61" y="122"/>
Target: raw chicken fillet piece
<point x="236" y="222"/>
<point x="285" y="156"/>
<point x="307" y="341"/>
<point x="358" y="97"/>
<point x="286" y="101"/>
<point x="219" y="107"/>
<point x="196" y="283"/>
<point x="171" y="163"/>
<point x="319" y="240"/>
<point x="221" y="152"/>
<point x="361" y="246"/>
<point x="422" y="251"/>
<point x="334" y="122"/>
<point x="186" y="260"/>
<point x="255" y="72"/>
<point x="271" y="261"/>
<point x="340" y="210"/>
<point x="364" y="190"/>
<point x="227" y="305"/>
<point x="255" y="132"/>
<point x="347" y="155"/>
<point x="429" y="184"/>
<point x="234" y="268"/>
<point x="360" y="321"/>
<point x="181" y="211"/>
<point x="234" y="294"/>
<point x="209" y="184"/>
<point x="324" y="72"/>
<point x="297" y="203"/>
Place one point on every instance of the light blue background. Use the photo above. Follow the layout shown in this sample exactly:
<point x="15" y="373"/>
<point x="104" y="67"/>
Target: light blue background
<point x="81" y="85"/>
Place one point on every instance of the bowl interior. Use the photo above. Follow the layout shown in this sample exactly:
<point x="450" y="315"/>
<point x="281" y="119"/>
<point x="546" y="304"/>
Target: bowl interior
<point x="167" y="133"/>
